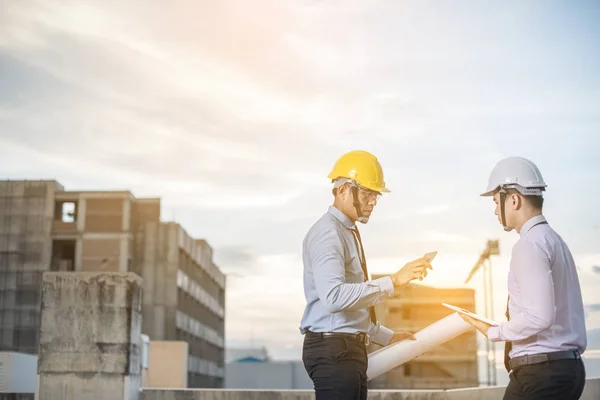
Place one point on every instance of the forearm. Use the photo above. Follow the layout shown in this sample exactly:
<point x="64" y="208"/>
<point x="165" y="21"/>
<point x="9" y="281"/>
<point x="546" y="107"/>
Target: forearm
<point x="340" y="296"/>
<point x="380" y="334"/>
<point x="520" y="327"/>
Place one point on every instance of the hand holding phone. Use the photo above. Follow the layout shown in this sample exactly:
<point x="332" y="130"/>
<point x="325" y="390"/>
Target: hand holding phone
<point x="416" y="269"/>
<point x="430" y="256"/>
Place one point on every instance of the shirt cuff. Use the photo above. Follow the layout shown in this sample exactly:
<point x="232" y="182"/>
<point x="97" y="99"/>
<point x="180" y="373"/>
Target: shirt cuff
<point x="385" y="285"/>
<point x="494" y="334"/>
<point x="380" y="334"/>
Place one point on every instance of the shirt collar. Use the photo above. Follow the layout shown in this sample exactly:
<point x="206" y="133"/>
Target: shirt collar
<point x="341" y="217"/>
<point x="531" y="223"/>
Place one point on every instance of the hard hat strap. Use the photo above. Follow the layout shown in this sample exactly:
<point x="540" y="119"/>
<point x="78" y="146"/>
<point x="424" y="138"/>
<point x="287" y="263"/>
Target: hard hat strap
<point x="355" y="200"/>
<point x="502" y="206"/>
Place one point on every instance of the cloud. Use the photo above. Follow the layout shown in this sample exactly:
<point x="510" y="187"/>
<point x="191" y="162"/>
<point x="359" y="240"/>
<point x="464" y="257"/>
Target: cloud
<point x="233" y="113"/>
<point x="433" y="210"/>
<point x="443" y="237"/>
<point x="592" y="307"/>
<point x="238" y="259"/>
<point x="269" y="299"/>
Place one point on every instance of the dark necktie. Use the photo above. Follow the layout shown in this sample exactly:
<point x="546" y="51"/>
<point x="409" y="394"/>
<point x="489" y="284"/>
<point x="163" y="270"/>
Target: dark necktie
<point x="507" y="345"/>
<point x="363" y="265"/>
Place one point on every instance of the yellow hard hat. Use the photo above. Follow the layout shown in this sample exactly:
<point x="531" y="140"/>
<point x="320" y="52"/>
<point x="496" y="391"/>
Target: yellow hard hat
<point x="361" y="167"/>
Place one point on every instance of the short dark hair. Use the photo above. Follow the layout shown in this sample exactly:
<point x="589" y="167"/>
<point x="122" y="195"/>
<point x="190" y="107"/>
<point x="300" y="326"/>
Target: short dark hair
<point x="336" y="189"/>
<point x="536" y="202"/>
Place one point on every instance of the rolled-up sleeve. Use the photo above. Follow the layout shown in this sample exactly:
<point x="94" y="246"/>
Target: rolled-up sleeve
<point x="380" y="334"/>
<point x="531" y="266"/>
<point x="326" y="253"/>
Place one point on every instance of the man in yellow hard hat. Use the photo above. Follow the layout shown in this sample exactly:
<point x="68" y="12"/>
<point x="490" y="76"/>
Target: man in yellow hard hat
<point x="339" y="320"/>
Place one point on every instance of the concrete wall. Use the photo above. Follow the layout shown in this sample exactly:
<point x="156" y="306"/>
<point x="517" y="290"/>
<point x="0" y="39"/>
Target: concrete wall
<point x="592" y="392"/>
<point x="145" y="210"/>
<point x="168" y="364"/>
<point x="267" y="375"/>
<point x="219" y="394"/>
<point x="105" y="214"/>
<point x="90" y="336"/>
<point x="101" y="254"/>
<point x="102" y="229"/>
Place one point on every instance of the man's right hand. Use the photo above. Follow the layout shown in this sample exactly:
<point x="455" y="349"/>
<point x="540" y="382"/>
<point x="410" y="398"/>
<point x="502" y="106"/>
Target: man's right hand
<point x="416" y="269"/>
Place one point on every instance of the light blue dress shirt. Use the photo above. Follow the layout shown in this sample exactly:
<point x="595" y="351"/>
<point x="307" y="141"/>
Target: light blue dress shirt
<point x="546" y="308"/>
<point x="337" y="296"/>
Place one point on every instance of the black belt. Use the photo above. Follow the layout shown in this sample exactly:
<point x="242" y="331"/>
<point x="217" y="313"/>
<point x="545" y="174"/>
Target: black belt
<point x="529" y="359"/>
<point x="361" y="337"/>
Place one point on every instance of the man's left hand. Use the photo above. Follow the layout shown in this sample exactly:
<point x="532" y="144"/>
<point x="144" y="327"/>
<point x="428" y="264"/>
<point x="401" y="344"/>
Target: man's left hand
<point x="479" y="325"/>
<point x="400" y="336"/>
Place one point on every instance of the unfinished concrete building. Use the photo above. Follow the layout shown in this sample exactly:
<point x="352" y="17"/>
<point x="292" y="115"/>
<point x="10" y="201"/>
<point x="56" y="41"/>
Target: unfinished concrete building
<point x="451" y="365"/>
<point x="184" y="297"/>
<point x="45" y="228"/>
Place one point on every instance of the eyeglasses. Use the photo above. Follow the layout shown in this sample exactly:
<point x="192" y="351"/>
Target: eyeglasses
<point x="368" y="193"/>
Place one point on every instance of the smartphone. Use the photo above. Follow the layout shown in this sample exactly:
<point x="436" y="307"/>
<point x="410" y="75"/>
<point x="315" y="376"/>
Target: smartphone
<point x="430" y="256"/>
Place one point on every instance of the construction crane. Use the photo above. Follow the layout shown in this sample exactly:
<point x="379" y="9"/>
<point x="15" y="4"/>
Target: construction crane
<point x="492" y="248"/>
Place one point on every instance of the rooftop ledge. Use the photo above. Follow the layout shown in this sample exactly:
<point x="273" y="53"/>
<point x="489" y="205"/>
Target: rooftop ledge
<point x="591" y="392"/>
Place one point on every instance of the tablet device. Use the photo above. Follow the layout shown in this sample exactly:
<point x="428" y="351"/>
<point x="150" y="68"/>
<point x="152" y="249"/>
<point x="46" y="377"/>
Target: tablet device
<point x="470" y="314"/>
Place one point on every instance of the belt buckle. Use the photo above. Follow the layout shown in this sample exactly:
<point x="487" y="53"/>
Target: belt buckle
<point x="367" y="340"/>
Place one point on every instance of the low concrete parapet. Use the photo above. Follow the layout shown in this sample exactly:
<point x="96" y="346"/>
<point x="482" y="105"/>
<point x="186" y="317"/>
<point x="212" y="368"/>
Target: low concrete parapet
<point x="591" y="392"/>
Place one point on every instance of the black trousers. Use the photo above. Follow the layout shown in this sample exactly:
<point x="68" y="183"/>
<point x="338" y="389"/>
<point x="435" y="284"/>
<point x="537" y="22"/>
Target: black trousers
<point x="337" y="366"/>
<point x="560" y="380"/>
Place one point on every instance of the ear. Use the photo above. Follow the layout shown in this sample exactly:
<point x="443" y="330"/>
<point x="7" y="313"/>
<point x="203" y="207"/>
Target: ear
<point x="343" y="191"/>
<point x="516" y="201"/>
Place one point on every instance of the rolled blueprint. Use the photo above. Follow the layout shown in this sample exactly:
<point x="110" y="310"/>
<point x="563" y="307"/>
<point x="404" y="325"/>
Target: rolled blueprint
<point x="389" y="357"/>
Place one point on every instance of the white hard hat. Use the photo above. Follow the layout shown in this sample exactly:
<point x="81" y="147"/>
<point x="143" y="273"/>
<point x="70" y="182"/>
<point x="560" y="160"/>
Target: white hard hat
<point x="516" y="173"/>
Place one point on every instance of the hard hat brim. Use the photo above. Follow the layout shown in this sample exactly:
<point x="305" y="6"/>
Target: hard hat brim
<point x="370" y="187"/>
<point x="520" y="189"/>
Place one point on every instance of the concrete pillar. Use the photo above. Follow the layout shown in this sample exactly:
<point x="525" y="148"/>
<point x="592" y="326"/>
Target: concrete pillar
<point x="90" y="336"/>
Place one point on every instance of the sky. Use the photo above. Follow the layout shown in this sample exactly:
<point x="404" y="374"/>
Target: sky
<point x="233" y="112"/>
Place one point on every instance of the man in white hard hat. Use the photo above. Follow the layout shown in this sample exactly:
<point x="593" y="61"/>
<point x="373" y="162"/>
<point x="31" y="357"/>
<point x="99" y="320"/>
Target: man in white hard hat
<point x="339" y="319"/>
<point x="545" y="333"/>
